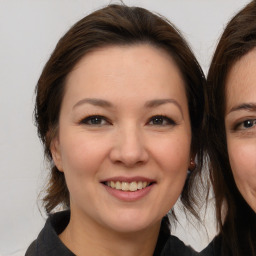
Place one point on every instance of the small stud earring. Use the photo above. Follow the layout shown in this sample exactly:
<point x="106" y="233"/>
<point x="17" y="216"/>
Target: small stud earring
<point x="192" y="165"/>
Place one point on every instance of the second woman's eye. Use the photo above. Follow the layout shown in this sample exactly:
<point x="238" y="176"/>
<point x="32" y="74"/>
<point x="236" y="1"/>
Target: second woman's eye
<point x="96" y="120"/>
<point x="161" y="120"/>
<point x="248" y="123"/>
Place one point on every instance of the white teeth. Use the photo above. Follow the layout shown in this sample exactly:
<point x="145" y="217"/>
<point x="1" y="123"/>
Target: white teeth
<point x="112" y="184"/>
<point x="133" y="186"/>
<point x="127" y="186"/>
<point x="118" y="185"/>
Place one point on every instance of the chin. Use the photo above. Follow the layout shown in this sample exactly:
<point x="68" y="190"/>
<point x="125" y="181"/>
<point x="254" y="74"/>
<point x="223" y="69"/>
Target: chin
<point x="133" y="223"/>
<point x="128" y="228"/>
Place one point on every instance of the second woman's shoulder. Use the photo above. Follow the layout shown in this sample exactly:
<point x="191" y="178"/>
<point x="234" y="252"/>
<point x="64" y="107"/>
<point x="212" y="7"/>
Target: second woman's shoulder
<point x="213" y="248"/>
<point x="31" y="251"/>
<point x="176" y="247"/>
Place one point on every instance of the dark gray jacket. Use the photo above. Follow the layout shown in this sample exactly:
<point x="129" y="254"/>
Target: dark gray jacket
<point x="49" y="244"/>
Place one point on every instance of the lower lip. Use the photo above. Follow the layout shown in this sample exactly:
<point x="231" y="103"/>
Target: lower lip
<point x="129" y="196"/>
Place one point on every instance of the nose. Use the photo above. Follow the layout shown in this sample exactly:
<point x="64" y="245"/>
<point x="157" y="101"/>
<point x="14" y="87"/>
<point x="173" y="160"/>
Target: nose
<point x="129" y="148"/>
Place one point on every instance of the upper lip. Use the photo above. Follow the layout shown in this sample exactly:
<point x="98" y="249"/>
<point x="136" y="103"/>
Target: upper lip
<point x="128" y="179"/>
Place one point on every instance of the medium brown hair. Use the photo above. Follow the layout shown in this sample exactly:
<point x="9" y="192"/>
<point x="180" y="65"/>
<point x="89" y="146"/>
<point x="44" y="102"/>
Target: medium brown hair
<point x="115" y="25"/>
<point x="236" y="220"/>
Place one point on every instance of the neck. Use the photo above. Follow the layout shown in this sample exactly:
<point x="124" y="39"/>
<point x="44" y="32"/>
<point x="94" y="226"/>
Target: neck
<point x="84" y="239"/>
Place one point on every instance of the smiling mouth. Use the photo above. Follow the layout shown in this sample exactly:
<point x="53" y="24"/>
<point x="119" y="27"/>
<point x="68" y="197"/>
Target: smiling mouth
<point x="128" y="186"/>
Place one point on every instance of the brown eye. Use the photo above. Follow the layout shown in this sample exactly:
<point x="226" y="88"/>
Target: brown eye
<point x="161" y="120"/>
<point x="245" y="125"/>
<point x="249" y="123"/>
<point x="94" y="120"/>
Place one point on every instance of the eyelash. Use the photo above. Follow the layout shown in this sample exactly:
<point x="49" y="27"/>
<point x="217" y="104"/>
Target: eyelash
<point x="241" y="125"/>
<point x="96" y="120"/>
<point x="165" y="121"/>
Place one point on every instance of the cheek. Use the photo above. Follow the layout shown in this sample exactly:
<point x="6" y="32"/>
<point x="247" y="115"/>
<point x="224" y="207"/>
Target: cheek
<point x="173" y="157"/>
<point x="82" y="156"/>
<point x="173" y="154"/>
<point x="242" y="156"/>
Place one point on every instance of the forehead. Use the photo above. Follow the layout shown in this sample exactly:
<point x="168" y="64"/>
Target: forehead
<point x="142" y="64"/>
<point x="124" y="53"/>
<point x="241" y="81"/>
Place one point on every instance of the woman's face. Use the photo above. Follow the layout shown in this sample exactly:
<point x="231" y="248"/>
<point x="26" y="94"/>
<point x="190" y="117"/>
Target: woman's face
<point x="124" y="137"/>
<point x="240" y="124"/>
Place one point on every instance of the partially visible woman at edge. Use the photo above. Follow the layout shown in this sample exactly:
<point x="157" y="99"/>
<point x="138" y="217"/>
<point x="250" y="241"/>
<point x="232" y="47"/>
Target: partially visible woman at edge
<point x="120" y="110"/>
<point x="232" y="136"/>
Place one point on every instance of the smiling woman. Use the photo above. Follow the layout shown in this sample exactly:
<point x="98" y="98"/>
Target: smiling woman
<point x="120" y="109"/>
<point x="126" y="141"/>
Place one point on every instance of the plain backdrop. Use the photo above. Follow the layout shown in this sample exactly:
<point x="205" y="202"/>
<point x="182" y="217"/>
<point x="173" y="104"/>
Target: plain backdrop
<point x="29" y="30"/>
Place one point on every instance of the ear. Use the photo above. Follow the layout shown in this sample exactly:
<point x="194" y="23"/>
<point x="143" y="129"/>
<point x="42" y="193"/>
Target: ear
<point x="56" y="154"/>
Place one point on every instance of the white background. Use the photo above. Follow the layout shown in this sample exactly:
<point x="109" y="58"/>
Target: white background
<point x="29" y="30"/>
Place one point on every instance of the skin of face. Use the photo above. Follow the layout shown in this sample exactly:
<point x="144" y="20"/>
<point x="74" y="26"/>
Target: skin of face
<point x="240" y="121"/>
<point x="124" y="116"/>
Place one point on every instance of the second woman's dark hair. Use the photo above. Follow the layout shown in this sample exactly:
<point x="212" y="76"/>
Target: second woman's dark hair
<point x="236" y="219"/>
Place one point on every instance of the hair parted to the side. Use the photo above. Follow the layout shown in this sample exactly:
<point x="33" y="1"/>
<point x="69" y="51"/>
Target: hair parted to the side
<point x="236" y="220"/>
<point x="115" y="25"/>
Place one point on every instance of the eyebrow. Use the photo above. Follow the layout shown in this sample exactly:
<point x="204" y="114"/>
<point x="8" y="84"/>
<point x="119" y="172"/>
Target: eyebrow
<point x="148" y="104"/>
<point x="95" y="102"/>
<point x="159" y="102"/>
<point x="244" y="106"/>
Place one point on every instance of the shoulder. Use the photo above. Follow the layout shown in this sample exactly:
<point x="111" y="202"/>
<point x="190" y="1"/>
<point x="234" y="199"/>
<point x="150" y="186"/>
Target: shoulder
<point x="168" y="245"/>
<point x="213" y="248"/>
<point x="31" y="249"/>
<point x="48" y="242"/>
<point x="174" y="246"/>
